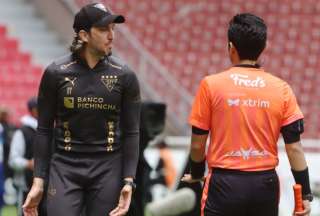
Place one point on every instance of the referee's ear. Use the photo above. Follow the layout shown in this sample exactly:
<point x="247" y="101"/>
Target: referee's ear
<point x="232" y="49"/>
<point x="233" y="53"/>
<point x="266" y="46"/>
<point x="83" y="35"/>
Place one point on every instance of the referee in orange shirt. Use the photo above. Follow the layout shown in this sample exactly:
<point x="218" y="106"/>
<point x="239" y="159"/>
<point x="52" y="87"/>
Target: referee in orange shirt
<point x="244" y="109"/>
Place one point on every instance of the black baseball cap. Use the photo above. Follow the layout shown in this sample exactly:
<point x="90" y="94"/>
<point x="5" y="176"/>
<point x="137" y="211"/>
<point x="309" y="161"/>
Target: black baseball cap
<point x="95" y="14"/>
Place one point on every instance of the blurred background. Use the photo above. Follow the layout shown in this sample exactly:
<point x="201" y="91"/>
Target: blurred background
<point x="172" y="45"/>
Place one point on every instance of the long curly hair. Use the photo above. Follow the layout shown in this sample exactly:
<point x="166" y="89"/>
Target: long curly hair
<point x="77" y="44"/>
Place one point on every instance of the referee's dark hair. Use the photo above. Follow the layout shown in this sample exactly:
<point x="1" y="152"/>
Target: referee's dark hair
<point x="248" y="33"/>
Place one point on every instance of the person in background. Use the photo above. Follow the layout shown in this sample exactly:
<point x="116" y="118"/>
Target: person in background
<point x="165" y="168"/>
<point x="197" y="189"/>
<point x="21" y="153"/>
<point x="8" y="130"/>
<point x="1" y="166"/>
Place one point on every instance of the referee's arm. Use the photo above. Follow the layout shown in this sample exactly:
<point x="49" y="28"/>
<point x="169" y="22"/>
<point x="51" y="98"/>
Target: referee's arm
<point x="291" y="135"/>
<point x="296" y="156"/>
<point x="198" y="147"/>
<point x="198" y="152"/>
<point x="200" y="120"/>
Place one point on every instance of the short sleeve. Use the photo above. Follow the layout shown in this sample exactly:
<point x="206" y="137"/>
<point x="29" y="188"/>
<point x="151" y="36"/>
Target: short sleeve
<point x="291" y="108"/>
<point x="201" y="109"/>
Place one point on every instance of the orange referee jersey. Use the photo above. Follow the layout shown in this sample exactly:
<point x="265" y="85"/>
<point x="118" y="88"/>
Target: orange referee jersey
<point x="244" y="108"/>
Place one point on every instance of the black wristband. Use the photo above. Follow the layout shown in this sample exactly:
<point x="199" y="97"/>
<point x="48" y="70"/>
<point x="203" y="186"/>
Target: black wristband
<point x="197" y="168"/>
<point x="302" y="178"/>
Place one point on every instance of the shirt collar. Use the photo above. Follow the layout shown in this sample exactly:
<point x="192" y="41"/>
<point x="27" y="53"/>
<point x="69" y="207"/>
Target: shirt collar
<point x="248" y="65"/>
<point x="80" y="60"/>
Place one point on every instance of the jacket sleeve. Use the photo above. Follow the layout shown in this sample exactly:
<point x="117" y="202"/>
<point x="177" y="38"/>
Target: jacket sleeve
<point x="47" y="111"/>
<point x="17" y="150"/>
<point x="130" y="124"/>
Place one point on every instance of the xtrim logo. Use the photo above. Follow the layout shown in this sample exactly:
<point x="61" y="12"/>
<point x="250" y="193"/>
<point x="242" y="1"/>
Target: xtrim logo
<point x="248" y="103"/>
<point x="234" y="102"/>
<point x="243" y="80"/>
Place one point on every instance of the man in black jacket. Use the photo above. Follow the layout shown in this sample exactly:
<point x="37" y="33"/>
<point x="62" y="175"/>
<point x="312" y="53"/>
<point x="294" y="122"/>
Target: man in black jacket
<point x="92" y="101"/>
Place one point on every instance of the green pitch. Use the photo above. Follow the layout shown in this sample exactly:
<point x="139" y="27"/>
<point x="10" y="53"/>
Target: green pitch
<point x="9" y="211"/>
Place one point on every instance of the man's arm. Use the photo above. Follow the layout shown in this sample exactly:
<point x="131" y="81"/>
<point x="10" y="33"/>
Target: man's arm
<point x="130" y="125"/>
<point x="198" y="147"/>
<point x="198" y="152"/>
<point x="299" y="166"/>
<point x="296" y="156"/>
<point x="197" y="158"/>
<point x="291" y="135"/>
<point x="300" y="173"/>
<point x="200" y="119"/>
<point x="47" y="102"/>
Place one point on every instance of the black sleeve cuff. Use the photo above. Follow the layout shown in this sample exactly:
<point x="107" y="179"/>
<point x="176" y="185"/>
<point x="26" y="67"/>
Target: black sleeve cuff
<point x="199" y="131"/>
<point x="291" y="133"/>
<point x="40" y="171"/>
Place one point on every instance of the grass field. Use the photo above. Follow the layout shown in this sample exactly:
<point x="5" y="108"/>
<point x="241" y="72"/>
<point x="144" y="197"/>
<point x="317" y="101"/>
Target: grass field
<point x="9" y="211"/>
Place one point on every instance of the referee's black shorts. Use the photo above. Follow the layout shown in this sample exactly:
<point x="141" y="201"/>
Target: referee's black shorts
<point x="232" y="192"/>
<point x="84" y="180"/>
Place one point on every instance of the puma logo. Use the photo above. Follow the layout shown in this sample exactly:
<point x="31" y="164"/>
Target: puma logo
<point x="72" y="81"/>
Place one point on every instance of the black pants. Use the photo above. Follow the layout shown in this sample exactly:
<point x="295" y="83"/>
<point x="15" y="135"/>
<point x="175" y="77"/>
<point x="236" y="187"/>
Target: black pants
<point x="242" y="193"/>
<point x="86" y="180"/>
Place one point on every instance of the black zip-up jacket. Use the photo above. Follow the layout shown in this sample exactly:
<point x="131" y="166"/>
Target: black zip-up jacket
<point x="92" y="110"/>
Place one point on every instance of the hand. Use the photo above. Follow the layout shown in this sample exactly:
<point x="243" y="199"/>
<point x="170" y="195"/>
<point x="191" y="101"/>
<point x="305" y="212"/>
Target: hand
<point x="306" y="211"/>
<point x="30" y="206"/>
<point x="124" y="202"/>
<point x="188" y="179"/>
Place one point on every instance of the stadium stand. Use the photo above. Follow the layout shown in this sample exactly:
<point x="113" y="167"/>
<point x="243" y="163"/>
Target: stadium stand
<point x="189" y="38"/>
<point x="26" y="46"/>
<point x="19" y="78"/>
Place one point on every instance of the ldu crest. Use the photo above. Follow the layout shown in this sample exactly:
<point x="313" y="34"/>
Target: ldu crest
<point x="109" y="81"/>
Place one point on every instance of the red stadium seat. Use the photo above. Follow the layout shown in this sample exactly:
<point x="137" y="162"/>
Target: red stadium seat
<point x="19" y="79"/>
<point x="3" y="31"/>
<point x="9" y="44"/>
